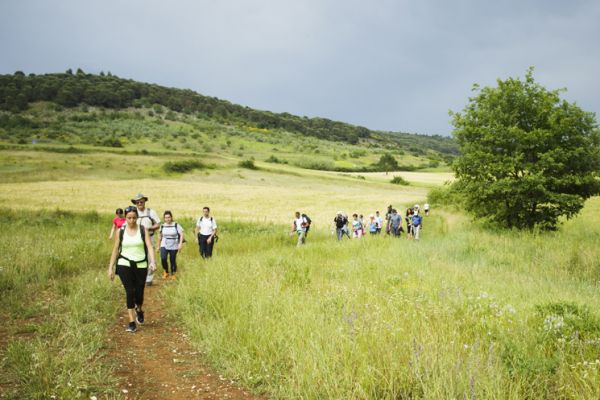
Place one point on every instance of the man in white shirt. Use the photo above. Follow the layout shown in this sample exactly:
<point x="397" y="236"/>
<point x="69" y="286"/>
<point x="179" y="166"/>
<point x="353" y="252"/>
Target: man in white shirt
<point x="206" y="232"/>
<point x="378" y="221"/>
<point x="149" y="219"/>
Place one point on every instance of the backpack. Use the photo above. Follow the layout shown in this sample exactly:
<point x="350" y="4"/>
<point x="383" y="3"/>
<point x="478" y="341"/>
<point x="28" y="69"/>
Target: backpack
<point x="176" y="230"/>
<point x="132" y="263"/>
<point x="307" y="218"/>
<point x="151" y="219"/>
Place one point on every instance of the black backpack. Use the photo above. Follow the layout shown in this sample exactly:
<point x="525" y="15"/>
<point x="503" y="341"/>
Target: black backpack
<point x="133" y="263"/>
<point x="307" y="218"/>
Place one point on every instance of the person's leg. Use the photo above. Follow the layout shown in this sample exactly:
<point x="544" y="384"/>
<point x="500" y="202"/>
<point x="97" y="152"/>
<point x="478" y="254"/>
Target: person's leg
<point x="163" y="259"/>
<point x="140" y="283"/>
<point x="340" y="233"/>
<point x="128" y="281"/>
<point x="203" y="245"/>
<point x="173" y="260"/>
<point x="150" y="276"/>
<point x="209" y="247"/>
<point x="417" y="229"/>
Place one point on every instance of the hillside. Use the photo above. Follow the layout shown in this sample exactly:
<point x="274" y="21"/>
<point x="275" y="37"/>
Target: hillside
<point x="105" y="110"/>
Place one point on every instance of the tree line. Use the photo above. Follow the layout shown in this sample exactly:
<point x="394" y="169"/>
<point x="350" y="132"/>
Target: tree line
<point x="71" y="89"/>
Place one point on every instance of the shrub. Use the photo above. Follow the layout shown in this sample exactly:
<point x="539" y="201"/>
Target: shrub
<point x="183" y="166"/>
<point x="398" y="180"/>
<point x="249" y="164"/>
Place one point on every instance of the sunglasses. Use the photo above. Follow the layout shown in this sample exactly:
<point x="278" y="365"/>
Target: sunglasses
<point x="130" y="209"/>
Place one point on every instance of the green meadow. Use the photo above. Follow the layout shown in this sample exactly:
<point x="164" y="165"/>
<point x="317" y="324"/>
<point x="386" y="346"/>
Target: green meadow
<point x="466" y="312"/>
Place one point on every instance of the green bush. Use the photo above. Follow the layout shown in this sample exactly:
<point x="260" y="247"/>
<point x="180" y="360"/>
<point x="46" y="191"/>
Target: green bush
<point x="398" y="180"/>
<point x="249" y="164"/>
<point x="183" y="166"/>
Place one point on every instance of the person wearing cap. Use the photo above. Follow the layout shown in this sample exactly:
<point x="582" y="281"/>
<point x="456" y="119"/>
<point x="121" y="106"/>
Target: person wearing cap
<point x="149" y="219"/>
<point x="340" y="224"/>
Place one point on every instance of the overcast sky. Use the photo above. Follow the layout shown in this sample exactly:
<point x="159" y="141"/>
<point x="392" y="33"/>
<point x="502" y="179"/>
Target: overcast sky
<point x="389" y="65"/>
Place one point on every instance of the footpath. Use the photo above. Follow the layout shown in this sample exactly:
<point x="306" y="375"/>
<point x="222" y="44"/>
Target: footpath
<point x="158" y="362"/>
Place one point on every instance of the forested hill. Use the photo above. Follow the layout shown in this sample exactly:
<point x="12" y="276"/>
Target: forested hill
<point x="106" y="90"/>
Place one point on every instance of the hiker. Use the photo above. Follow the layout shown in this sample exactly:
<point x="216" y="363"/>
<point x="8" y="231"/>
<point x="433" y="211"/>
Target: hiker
<point x="388" y="214"/>
<point x="133" y="256"/>
<point x="417" y="224"/>
<point x="148" y="218"/>
<point x="170" y="237"/>
<point x="206" y="233"/>
<point x="426" y="208"/>
<point x="363" y="224"/>
<point x="308" y="224"/>
<point x="372" y="225"/>
<point x="395" y="223"/>
<point x="408" y="219"/>
<point x="378" y="221"/>
<point x="346" y="230"/>
<point x="117" y="222"/>
<point x="299" y="227"/>
<point x="340" y="224"/>
<point x="357" y="227"/>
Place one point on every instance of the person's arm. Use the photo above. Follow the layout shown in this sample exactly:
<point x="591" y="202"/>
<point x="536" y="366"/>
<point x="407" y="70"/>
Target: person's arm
<point x="159" y="238"/>
<point x="113" y="259"/>
<point x="214" y="232"/>
<point x="180" y="238"/>
<point x="112" y="232"/>
<point x="150" y="250"/>
<point x="154" y="218"/>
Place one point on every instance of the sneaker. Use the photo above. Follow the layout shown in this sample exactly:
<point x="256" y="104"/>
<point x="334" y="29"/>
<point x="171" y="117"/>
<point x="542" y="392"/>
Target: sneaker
<point x="131" y="327"/>
<point x="165" y="275"/>
<point x="139" y="317"/>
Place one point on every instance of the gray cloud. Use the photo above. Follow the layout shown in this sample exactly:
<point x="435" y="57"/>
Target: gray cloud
<point x="392" y="65"/>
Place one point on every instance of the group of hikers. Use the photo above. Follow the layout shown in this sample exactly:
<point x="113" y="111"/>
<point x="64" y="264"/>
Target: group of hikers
<point x="357" y="227"/>
<point x="136" y="231"/>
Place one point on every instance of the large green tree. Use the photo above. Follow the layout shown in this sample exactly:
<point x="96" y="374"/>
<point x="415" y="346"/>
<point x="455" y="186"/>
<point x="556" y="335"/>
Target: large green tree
<point x="528" y="156"/>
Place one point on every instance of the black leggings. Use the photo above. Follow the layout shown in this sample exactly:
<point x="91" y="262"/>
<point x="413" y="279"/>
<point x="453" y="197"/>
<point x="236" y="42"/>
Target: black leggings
<point x="172" y="259"/>
<point x="134" y="281"/>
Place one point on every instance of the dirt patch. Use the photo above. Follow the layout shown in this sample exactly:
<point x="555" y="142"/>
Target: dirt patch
<point x="157" y="361"/>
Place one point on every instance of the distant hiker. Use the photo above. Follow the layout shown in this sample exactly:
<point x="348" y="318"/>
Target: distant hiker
<point x="409" y="227"/>
<point x="417" y="224"/>
<point x="170" y="239"/>
<point x="395" y="223"/>
<point x="346" y="228"/>
<point x="357" y="228"/>
<point x="372" y="225"/>
<point x="340" y="222"/>
<point x="388" y="215"/>
<point x="148" y="218"/>
<point x="134" y="258"/>
<point x="299" y="227"/>
<point x="117" y="222"/>
<point x="308" y="224"/>
<point x="206" y="233"/>
<point x="378" y="221"/>
<point x="426" y="208"/>
<point x="363" y="224"/>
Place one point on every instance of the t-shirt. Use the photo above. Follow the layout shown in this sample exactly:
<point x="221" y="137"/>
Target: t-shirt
<point x="373" y="227"/>
<point x="340" y="221"/>
<point x="207" y="225"/>
<point x="300" y="223"/>
<point x="379" y="222"/>
<point x="147" y="218"/>
<point x="356" y="225"/>
<point x="396" y="220"/>
<point x="416" y="220"/>
<point x="170" y="236"/>
<point x="426" y="206"/>
<point x="132" y="247"/>
<point x="118" y="222"/>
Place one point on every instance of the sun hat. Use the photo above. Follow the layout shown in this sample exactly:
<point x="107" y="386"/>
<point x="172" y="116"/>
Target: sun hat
<point x="137" y="197"/>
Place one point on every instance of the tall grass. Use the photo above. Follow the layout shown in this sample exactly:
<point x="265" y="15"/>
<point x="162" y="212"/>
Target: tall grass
<point x="56" y="305"/>
<point x="464" y="313"/>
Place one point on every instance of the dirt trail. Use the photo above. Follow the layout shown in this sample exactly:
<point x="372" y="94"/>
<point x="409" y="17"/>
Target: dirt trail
<point x="157" y="361"/>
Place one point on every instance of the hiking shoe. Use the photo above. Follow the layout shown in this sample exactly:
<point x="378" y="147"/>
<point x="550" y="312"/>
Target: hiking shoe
<point x="139" y="317"/>
<point x="131" y="327"/>
<point x="165" y="275"/>
<point x="173" y="277"/>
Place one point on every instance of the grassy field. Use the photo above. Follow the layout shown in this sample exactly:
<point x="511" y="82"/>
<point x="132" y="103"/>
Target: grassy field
<point x="464" y="313"/>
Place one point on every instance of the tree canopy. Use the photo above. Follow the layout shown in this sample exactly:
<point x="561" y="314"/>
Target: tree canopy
<point x="528" y="157"/>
